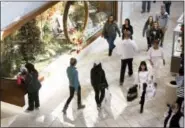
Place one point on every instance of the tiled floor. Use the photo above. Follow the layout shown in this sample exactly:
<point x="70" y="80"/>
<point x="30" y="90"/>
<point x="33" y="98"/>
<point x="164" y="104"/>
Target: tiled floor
<point x="54" y="92"/>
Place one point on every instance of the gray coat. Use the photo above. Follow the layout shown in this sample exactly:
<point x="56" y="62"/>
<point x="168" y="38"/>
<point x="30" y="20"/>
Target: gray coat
<point x="109" y="30"/>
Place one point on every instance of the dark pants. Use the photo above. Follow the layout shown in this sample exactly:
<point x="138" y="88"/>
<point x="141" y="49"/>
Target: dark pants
<point x="149" y="42"/>
<point x="72" y="91"/>
<point x="33" y="99"/>
<point x="167" y="6"/>
<point x="144" y="5"/>
<point x="99" y="96"/>
<point x="124" y="63"/>
<point x="179" y="101"/>
<point x="110" y="41"/>
<point x="168" y="117"/>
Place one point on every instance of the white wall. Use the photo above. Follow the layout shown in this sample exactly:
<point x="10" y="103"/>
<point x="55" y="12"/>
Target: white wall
<point x="12" y="11"/>
<point x="125" y="12"/>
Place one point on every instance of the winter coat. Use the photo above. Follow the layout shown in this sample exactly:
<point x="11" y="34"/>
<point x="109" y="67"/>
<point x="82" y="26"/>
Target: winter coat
<point x="98" y="78"/>
<point x="32" y="83"/>
<point x="146" y="29"/>
<point x="156" y="34"/>
<point x="130" y="28"/>
<point x="110" y="30"/>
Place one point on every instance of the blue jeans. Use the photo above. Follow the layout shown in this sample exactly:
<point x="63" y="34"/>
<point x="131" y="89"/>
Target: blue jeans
<point x="110" y="41"/>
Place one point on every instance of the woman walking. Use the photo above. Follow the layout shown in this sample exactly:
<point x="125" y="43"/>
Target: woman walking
<point x="32" y="85"/>
<point x="143" y="80"/>
<point x="109" y="33"/>
<point x="146" y="29"/>
<point x="127" y="27"/>
<point x="99" y="83"/>
<point x="155" y="56"/>
<point x="155" y="33"/>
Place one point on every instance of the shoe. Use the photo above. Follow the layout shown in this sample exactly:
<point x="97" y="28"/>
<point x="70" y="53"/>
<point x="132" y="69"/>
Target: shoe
<point x="168" y="105"/>
<point x="130" y="74"/>
<point x="29" y="109"/>
<point x="121" y="84"/>
<point x="142" y="11"/>
<point x="99" y="107"/>
<point x="64" y="111"/>
<point x="148" y="11"/>
<point x="81" y="106"/>
<point x="155" y="84"/>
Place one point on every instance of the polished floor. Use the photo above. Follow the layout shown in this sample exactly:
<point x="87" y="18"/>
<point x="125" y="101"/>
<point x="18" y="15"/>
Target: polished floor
<point x="55" y="91"/>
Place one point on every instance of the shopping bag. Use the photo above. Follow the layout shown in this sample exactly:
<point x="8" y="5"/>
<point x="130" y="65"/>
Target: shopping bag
<point x="150" y="91"/>
<point x="108" y="96"/>
<point x="132" y="93"/>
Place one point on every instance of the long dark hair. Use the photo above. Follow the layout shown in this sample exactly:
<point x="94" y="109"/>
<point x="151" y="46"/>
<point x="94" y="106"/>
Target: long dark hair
<point x="128" y="21"/>
<point x="148" y="21"/>
<point x="142" y="63"/>
<point x="31" y="68"/>
<point x="109" y="17"/>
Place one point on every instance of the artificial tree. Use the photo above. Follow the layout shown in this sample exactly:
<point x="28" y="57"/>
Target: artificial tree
<point x="31" y="44"/>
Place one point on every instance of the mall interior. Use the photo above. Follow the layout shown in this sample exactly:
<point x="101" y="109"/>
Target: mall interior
<point x="49" y="33"/>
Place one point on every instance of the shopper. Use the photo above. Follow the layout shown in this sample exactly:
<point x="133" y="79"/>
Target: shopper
<point x="74" y="85"/>
<point x="99" y="83"/>
<point x="167" y="6"/>
<point x="144" y="6"/>
<point x="155" y="56"/>
<point x="32" y="85"/>
<point x="127" y="27"/>
<point x="126" y="48"/>
<point x="162" y="19"/>
<point x="155" y="33"/>
<point x="180" y="88"/>
<point x="109" y="33"/>
<point x="147" y="27"/>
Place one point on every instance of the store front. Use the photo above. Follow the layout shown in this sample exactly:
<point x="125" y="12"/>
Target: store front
<point x="59" y="28"/>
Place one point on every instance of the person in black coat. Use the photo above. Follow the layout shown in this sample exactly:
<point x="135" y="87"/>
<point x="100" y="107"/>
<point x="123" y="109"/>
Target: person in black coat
<point x="167" y="6"/>
<point x="127" y="27"/>
<point x="155" y="33"/>
<point x="99" y="83"/>
<point x="32" y="85"/>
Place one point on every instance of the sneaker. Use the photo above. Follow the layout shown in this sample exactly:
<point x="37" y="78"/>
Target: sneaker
<point x="81" y="106"/>
<point x="29" y="109"/>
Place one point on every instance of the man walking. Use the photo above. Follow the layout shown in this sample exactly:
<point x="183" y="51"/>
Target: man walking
<point x="127" y="49"/>
<point x="72" y="74"/>
<point x="144" y="6"/>
<point x="162" y="19"/>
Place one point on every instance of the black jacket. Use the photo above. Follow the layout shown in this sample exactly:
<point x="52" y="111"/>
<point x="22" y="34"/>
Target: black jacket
<point x="156" y="34"/>
<point x="32" y="83"/>
<point x="98" y="78"/>
<point x="130" y="28"/>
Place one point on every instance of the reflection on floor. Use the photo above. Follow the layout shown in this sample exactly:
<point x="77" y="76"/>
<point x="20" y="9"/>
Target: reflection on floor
<point x="55" y="88"/>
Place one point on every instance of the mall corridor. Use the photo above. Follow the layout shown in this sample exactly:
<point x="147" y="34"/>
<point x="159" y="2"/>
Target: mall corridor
<point x="121" y="113"/>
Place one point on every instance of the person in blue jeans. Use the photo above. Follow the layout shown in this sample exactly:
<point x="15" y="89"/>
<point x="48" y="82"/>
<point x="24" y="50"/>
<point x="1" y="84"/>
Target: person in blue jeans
<point x="74" y="85"/>
<point x="109" y="32"/>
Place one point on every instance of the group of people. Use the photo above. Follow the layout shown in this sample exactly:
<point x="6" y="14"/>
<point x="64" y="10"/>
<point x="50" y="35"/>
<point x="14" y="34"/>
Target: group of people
<point x="126" y="49"/>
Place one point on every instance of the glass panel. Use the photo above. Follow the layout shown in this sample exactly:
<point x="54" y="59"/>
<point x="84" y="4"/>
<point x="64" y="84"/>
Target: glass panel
<point x="98" y="13"/>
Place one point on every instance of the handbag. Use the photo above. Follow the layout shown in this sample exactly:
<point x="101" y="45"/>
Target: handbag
<point x="108" y="97"/>
<point x="132" y="93"/>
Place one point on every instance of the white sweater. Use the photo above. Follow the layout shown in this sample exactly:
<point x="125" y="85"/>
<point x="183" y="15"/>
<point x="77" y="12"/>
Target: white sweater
<point x="126" y="48"/>
<point x="155" y="53"/>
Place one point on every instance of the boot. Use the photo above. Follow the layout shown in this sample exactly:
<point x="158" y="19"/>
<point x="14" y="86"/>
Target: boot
<point x="109" y="53"/>
<point x="81" y="106"/>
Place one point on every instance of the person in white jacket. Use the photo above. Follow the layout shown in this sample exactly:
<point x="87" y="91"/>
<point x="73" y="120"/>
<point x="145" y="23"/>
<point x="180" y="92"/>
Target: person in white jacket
<point x="127" y="49"/>
<point x="156" y="56"/>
